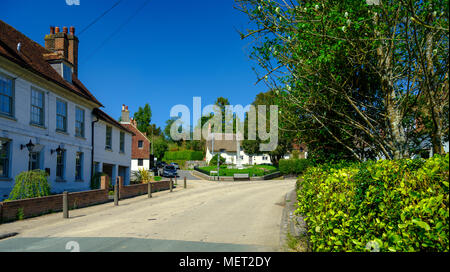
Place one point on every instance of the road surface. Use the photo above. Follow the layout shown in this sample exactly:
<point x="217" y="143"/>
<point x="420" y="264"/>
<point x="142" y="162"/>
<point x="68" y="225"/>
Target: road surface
<point x="207" y="216"/>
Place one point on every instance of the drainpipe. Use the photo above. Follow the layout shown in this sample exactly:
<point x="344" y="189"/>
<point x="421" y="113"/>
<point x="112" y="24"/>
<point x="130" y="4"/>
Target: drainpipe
<point x="92" y="151"/>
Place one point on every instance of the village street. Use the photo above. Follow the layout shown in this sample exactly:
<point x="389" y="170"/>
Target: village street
<point x="207" y="216"/>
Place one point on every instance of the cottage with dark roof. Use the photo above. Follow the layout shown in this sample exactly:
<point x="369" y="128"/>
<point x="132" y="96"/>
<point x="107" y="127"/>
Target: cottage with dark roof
<point x="49" y="120"/>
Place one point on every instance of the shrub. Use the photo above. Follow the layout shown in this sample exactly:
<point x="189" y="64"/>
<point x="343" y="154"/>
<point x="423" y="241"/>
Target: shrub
<point x="294" y="166"/>
<point x="213" y="161"/>
<point x="158" y="178"/>
<point x="30" y="184"/>
<point x="256" y="170"/>
<point x="142" y="176"/>
<point x="397" y="205"/>
<point x="188" y="155"/>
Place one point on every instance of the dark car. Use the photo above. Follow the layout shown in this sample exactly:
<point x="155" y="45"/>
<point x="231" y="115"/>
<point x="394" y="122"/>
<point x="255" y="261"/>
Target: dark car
<point x="160" y="164"/>
<point x="174" y="164"/>
<point x="169" y="171"/>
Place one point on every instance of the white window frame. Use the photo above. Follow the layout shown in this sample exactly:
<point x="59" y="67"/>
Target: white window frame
<point x="63" y="163"/>
<point x="78" y="109"/>
<point x="108" y="146"/>
<point x="12" y="97"/>
<point x="41" y="108"/>
<point x="79" y="157"/>
<point x="122" y="142"/>
<point x="7" y="169"/>
<point x="65" y="117"/>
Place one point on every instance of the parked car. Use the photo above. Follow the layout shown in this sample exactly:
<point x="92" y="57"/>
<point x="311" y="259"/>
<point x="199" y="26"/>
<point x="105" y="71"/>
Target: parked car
<point x="169" y="171"/>
<point x="174" y="164"/>
<point x="160" y="164"/>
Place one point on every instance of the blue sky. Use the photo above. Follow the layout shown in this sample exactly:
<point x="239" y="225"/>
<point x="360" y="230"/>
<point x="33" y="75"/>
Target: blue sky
<point x="168" y="53"/>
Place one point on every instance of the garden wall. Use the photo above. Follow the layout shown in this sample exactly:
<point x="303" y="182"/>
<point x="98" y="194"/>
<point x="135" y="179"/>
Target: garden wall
<point x="26" y="208"/>
<point x="142" y="189"/>
<point x="31" y="207"/>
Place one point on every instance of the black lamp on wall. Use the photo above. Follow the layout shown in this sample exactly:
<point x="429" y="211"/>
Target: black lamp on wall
<point x="29" y="146"/>
<point x="58" y="150"/>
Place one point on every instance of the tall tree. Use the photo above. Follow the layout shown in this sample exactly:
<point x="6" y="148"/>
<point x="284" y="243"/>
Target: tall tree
<point x="143" y="117"/>
<point x="285" y="136"/>
<point x="351" y="71"/>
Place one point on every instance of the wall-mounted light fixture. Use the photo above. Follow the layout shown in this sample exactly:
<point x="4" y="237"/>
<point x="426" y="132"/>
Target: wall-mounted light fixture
<point x="29" y="146"/>
<point x="58" y="150"/>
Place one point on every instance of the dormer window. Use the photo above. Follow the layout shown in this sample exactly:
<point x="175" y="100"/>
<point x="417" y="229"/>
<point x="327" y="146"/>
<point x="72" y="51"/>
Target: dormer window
<point x="67" y="72"/>
<point x="64" y="69"/>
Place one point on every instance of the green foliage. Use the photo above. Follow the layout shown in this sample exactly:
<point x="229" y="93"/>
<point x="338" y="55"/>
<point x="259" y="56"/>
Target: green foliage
<point x="213" y="161"/>
<point x="169" y="124"/>
<point x="141" y="176"/>
<point x="157" y="178"/>
<point x="143" y="118"/>
<point x="255" y="170"/>
<point x="399" y="205"/>
<point x="20" y="214"/>
<point x="294" y="166"/>
<point x="160" y="147"/>
<point x="30" y="184"/>
<point x="188" y="155"/>
<point x="285" y="138"/>
<point x="95" y="181"/>
<point x="341" y="72"/>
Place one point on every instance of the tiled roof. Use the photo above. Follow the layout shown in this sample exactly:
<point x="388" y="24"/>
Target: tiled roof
<point x="223" y="141"/>
<point x="33" y="57"/>
<point x="105" y="117"/>
<point x="136" y="152"/>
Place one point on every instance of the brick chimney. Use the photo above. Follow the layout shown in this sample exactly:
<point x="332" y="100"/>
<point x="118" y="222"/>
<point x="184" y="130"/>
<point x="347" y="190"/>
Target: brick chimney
<point x="64" y="44"/>
<point x="125" y="117"/>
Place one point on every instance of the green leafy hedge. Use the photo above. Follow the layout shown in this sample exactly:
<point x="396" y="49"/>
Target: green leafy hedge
<point x="255" y="170"/>
<point x="30" y="184"/>
<point x="387" y="205"/>
<point x="188" y="155"/>
<point x="294" y="166"/>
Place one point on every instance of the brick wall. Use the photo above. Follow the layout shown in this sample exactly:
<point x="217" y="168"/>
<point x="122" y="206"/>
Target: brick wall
<point x="42" y="205"/>
<point x="37" y="206"/>
<point x="141" y="189"/>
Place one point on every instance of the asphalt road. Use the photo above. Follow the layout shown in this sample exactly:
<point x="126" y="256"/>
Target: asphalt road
<point x="207" y="216"/>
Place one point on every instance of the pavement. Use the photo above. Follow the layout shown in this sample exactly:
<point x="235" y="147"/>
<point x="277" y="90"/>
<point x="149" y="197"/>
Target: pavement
<point x="207" y="216"/>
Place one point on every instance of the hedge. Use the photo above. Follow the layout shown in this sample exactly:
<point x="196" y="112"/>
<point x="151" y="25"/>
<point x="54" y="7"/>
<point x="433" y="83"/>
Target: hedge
<point x="188" y="155"/>
<point x="256" y="170"/>
<point x="383" y="206"/>
<point x="294" y="166"/>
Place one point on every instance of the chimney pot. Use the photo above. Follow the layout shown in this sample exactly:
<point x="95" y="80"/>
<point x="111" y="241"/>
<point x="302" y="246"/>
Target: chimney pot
<point x="125" y="118"/>
<point x="65" y="29"/>
<point x="72" y="30"/>
<point x="52" y="30"/>
<point x="57" y="29"/>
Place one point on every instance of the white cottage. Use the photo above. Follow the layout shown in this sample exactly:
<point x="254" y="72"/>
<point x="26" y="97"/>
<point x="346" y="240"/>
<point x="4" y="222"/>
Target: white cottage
<point x="228" y="146"/>
<point x="47" y="114"/>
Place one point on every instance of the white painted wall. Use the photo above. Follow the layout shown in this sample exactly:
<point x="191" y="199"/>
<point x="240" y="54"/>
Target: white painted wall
<point x="135" y="167"/>
<point x="19" y="131"/>
<point x="114" y="156"/>
<point x="230" y="157"/>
